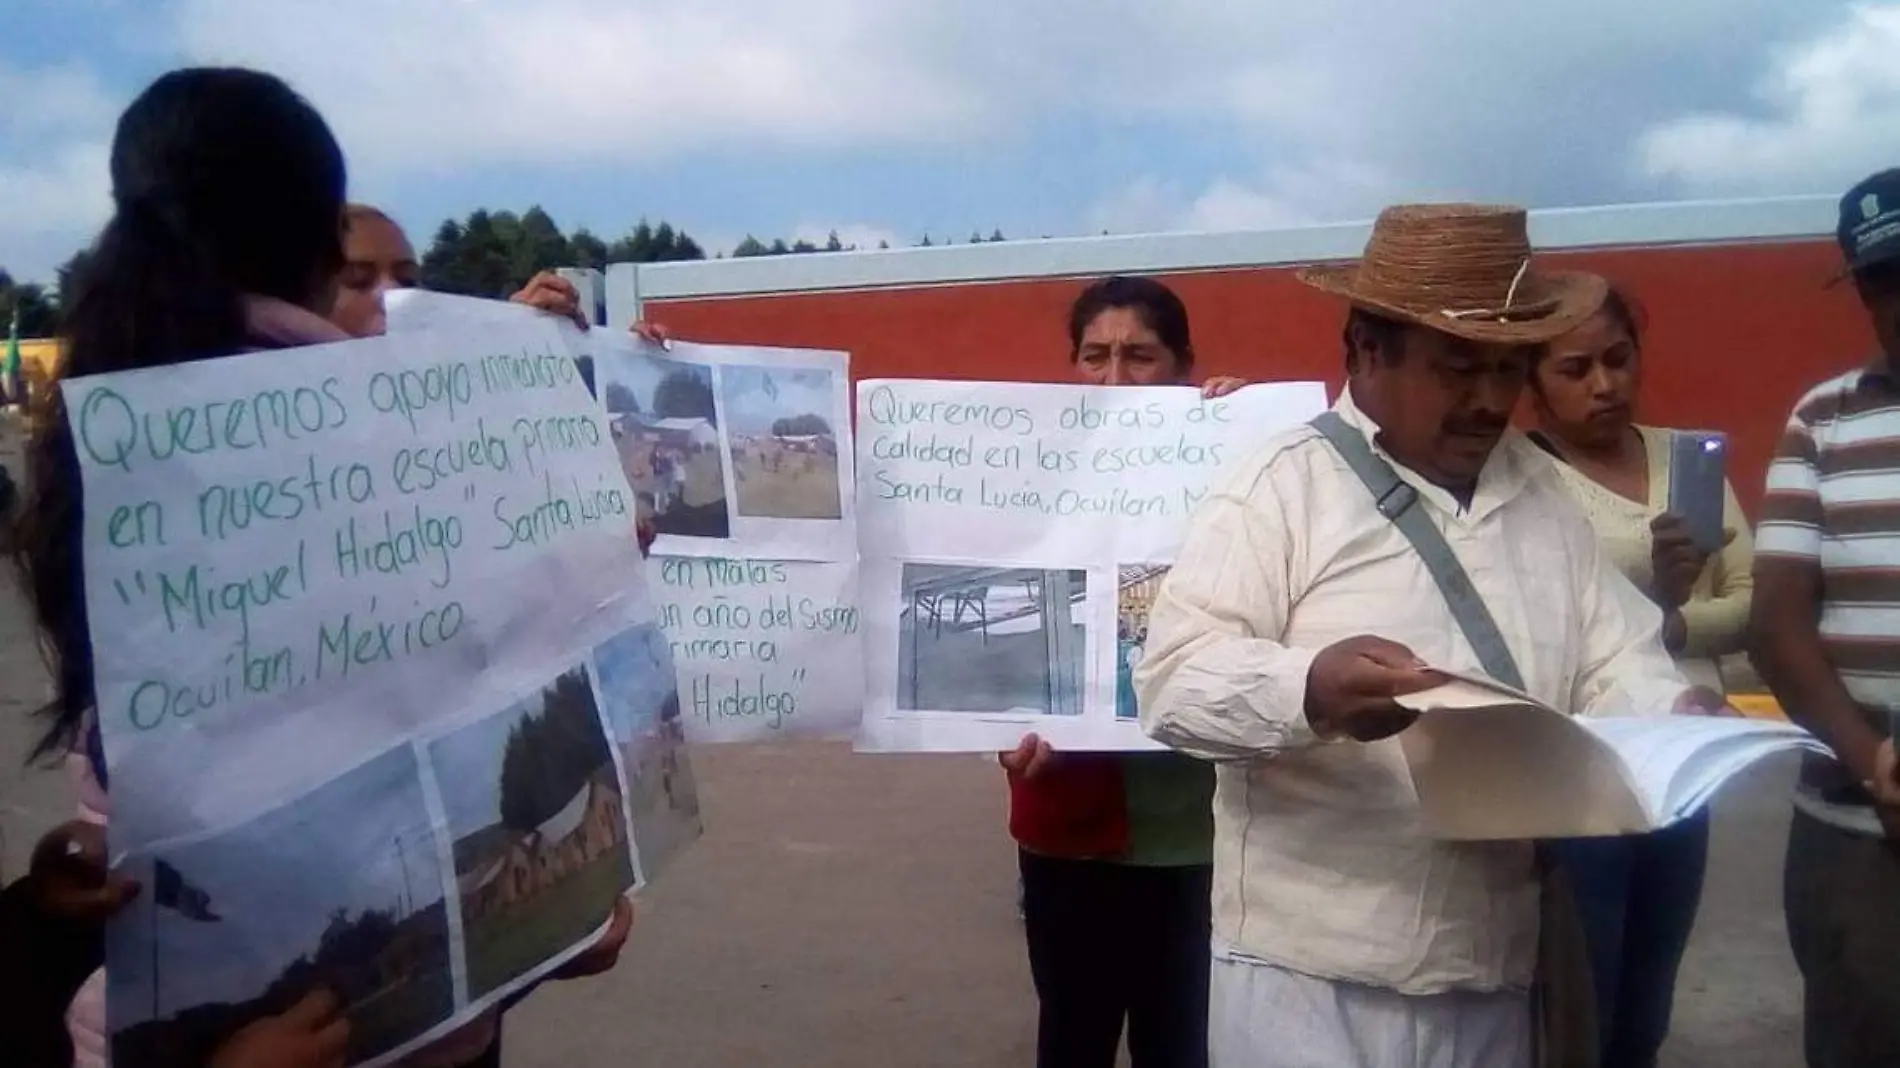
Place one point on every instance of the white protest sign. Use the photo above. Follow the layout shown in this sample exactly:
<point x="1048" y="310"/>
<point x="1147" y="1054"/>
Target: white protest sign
<point x="349" y="605"/>
<point x="732" y="451"/>
<point x="765" y="648"/>
<point x="767" y="640"/>
<point x="1013" y="538"/>
<point x="767" y="644"/>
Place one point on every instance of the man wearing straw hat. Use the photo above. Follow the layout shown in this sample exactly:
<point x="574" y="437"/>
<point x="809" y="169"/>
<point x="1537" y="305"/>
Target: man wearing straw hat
<point x="1407" y="527"/>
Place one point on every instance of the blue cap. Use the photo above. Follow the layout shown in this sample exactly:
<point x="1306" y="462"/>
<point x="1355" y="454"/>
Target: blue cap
<point x="1870" y="221"/>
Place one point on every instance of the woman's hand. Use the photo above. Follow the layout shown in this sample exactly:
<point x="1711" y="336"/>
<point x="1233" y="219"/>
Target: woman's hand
<point x="1220" y="386"/>
<point x="69" y="876"/>
<point x="644" y="529"/>
<point x="652" y="333"/>
<point x="605" y="952"/>
<point x="549" y="292"/>
<point x="1029" y="757"/>
<point x="313" y="1033"/>
<point x="1675" y="561"/>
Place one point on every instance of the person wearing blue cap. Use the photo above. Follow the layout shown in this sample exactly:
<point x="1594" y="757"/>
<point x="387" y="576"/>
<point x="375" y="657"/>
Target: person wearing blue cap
<point x="1826" y="556"/>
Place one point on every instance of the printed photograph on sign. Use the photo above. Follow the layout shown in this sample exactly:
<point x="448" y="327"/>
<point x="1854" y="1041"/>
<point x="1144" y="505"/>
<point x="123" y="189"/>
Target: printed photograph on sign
<point x="991" y="639"/>
<point x="1135" y="589"/>
<point x="665" y="426"/>
<point x="784" y="448"/>
<point x="639" y="693"/>
<point x="540" y="838"/>
<point x="339" y="889"/>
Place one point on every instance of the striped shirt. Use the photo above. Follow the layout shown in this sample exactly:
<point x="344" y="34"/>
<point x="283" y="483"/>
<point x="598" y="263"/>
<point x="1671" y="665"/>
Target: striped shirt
<point x="1833" y="499"/>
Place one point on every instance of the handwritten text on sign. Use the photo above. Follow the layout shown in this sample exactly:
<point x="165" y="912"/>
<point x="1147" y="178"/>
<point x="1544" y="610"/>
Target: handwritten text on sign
<point x="989" y="470"/>
<point x="762" y="647"/>
<point x="306" y="518"/>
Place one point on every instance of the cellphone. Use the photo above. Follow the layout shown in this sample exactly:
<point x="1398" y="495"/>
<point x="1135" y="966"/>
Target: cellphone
<point x="1698" y="486"/>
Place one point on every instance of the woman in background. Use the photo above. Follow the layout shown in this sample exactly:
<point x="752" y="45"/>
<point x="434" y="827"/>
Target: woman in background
<point x="378" y="258"/>
<point x="1638" y="895"/>
<point x="1116" y="850"/>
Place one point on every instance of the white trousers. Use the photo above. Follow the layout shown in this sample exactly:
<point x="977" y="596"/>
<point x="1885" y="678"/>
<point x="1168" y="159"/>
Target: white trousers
<point x="1260" y="1016"/>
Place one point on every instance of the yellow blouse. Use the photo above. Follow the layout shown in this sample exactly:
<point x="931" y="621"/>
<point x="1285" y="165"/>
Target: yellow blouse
<point x="1716" y="617"/>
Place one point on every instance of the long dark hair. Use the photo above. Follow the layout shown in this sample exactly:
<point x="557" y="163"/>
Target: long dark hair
<point x="225" y="183"/>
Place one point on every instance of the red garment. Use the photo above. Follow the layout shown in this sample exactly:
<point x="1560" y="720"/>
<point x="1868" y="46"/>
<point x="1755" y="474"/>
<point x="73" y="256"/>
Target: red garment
<point x="1076" y="807"/>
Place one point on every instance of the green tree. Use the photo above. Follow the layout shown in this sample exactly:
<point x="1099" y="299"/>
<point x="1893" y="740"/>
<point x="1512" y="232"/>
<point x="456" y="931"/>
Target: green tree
<point x="550" y="755"/>
<point x="799" y="426"/>
<point x="538" y="246"/>
<point x="472" y="258"/>
<point x="685" y="248"/>
<point x="635" y="247"/>
<point x="833" y="244"/>
<point x="665" y="242"/>
<point x="587" y="250"/>
<point x="750" y="247"/>
<point x="39" y="312"/>
<point x="66" y="276"/>
<point x="683" y="394"/>
<point x="495" y="253"/>
<point x="620" y="399"/>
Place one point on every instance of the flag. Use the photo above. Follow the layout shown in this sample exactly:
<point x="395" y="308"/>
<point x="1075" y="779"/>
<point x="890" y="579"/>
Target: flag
<point x="10" y="373"/>
<point x="171" y="891"/>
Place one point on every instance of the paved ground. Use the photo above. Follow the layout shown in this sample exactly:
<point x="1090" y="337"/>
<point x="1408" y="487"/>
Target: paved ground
<point x="859" y="911"/>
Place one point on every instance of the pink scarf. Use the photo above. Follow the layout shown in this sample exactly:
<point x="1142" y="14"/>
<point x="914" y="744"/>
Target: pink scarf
<point x="279" y="324"/>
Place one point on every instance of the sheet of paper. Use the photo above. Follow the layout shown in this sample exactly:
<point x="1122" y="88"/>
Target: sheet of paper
<point x="1681" y="761"/>
<point x="345" y="604"/>
<point x="1013" y="539"/>
<point x="1489" y="762"/>
<point x="765" y="648"/>
<point x="731" y="450"/>
<point x="1513" y="771"/>
<point x="768" y="646"/>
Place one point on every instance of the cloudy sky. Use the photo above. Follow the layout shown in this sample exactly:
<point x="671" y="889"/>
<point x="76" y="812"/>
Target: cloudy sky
<point x="890" y="119"/>
<point x="752" y="409"/>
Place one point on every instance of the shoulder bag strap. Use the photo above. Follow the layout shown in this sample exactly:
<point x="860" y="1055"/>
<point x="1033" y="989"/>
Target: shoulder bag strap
<point x="1398" y="502"/>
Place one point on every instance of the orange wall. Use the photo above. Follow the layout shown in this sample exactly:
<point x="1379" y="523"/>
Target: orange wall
<point x="1736" y="332"/>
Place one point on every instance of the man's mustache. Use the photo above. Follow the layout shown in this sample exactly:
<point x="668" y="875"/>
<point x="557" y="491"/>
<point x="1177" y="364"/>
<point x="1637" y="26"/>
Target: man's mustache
<point x="1478" y="427"/>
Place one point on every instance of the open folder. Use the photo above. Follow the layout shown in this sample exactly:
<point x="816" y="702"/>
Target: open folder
<point x="1490" y="762"/>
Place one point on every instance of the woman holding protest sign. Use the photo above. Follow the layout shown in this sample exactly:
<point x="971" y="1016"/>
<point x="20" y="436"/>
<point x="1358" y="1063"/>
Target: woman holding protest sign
<point x="1117" y="850"/>
<point x="226" y="237"/>
<point x="378" y="258"/>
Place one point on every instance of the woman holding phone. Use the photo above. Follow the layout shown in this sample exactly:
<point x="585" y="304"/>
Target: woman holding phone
<point x="1638" y="895"/>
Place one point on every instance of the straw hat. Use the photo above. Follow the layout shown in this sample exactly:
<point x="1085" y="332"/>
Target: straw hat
<point x="1463" y="270"/>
